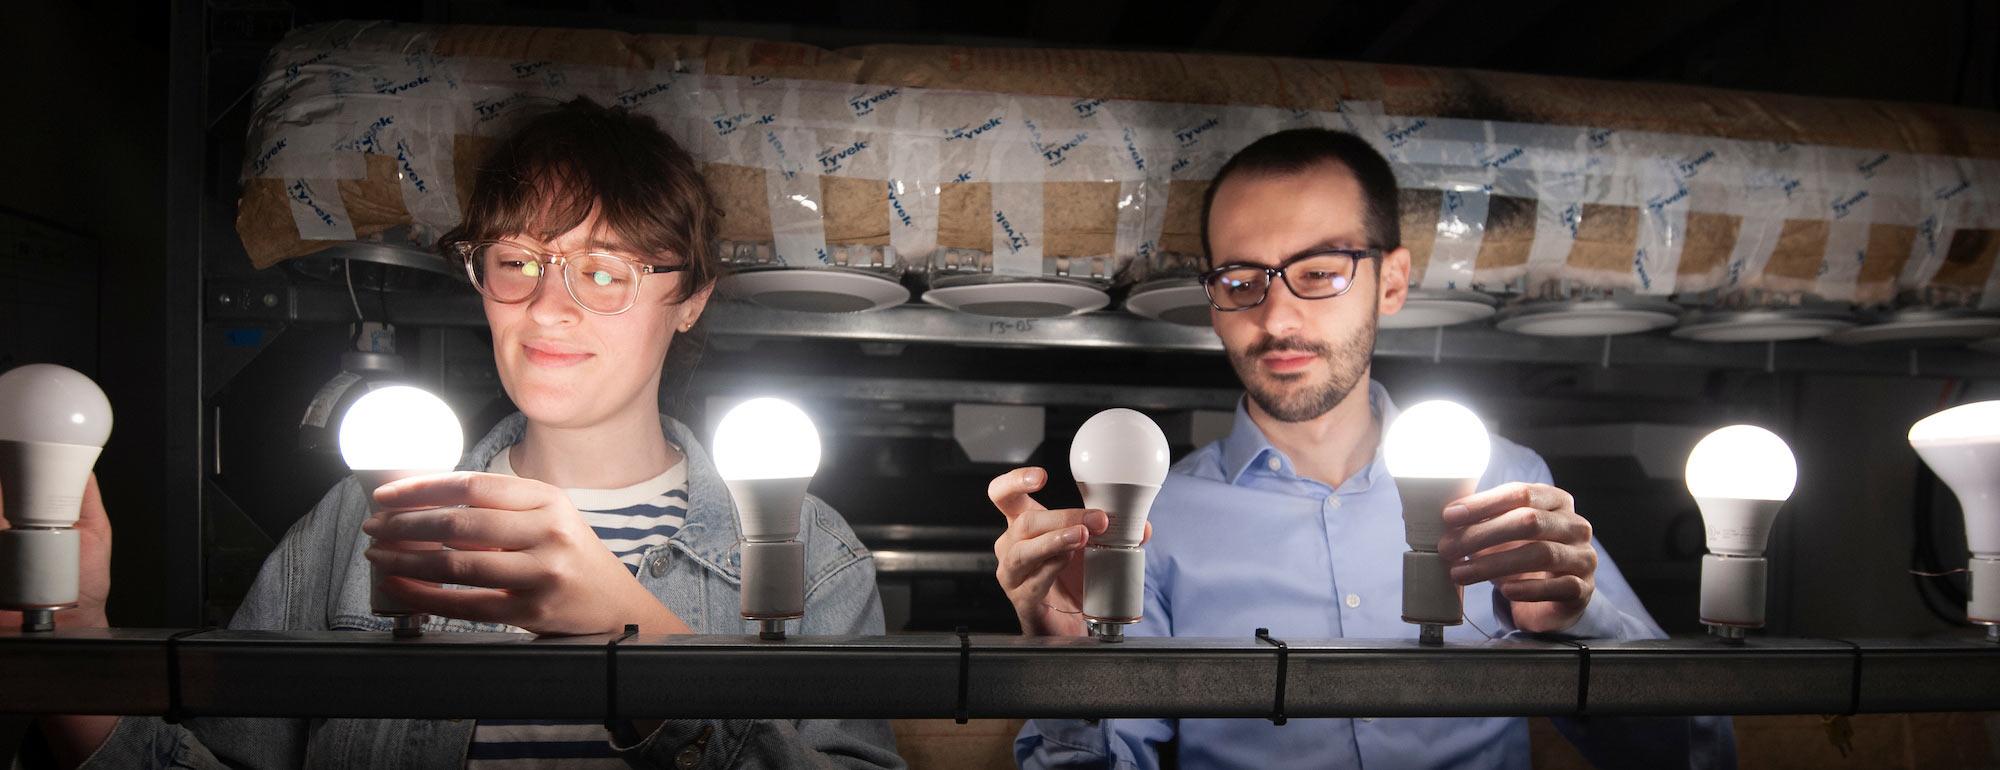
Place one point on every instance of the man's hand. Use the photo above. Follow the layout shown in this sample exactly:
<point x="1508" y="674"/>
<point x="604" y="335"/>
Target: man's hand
<point x="1041" y="554"/>
<point x="1529" y="541"/>
<point x="93" y="529"/>
<point x="522" y="551"/>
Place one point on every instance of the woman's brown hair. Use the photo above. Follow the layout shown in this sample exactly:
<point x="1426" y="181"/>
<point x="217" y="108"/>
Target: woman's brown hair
<point x="547" y="177"/>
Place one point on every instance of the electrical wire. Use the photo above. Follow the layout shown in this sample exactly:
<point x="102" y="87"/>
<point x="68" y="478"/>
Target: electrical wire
<point x="347" y="269"/>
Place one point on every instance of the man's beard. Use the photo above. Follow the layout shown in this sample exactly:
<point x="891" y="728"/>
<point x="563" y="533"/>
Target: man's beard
<point x="1286" y="396"/>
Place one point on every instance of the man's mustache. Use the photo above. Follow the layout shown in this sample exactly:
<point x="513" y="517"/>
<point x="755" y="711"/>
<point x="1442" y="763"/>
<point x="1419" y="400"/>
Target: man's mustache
<point x="1289" y="345"/>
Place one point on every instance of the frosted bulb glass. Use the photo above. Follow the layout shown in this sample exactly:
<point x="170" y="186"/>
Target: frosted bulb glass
<point x="1437" y="440"/>
<point x="1969" y="422"/>
<point x="53" y="404"/>
<point x="1119" y="446"/>
<point x="1742" y="462"/>
<point x="766" y="438"/>
<point x="400" y="428"/>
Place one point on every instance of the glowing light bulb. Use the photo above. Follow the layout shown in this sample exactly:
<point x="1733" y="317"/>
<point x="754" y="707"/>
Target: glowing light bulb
<point x="400" y="427"/>
<point x="767" y="450"/>
<point x="53" y="424"/>
<point x="766" y="438"/>
<point x="1437" y="440"/>
<point x="393" y="433"/>
<point x="1740" y="476"/>
<point x="1744" y="462"/>
<point x="1436" y="450"/>
<point x="1962" y="446"/>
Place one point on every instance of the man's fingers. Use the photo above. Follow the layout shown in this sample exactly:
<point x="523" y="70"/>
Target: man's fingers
<point x="484" y="569"/>
<point x="1035" y="523"/>
<point x="1030" y="555"/>
<point x="1481" y="506"/>
<point x="1034" y="588"/>
<point x="1561" y="588"/>
<point x="1516" y="524"/>
<point x="467" y="488"/>
<point x="1538" y="556"/>
<point x="1010" y="491"/>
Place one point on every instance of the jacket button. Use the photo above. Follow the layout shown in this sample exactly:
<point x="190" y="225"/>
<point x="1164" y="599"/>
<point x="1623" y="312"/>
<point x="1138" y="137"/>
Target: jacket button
<point x="688" y="758"/>
<point x="657" y="565"/>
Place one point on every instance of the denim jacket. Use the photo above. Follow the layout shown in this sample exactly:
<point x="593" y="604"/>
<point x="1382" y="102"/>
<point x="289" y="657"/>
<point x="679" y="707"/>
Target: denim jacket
<point x="317" y="579"/>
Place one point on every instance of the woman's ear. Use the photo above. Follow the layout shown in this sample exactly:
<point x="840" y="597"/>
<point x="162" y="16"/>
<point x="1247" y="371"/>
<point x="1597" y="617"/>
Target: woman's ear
<point x="690" y="311"/>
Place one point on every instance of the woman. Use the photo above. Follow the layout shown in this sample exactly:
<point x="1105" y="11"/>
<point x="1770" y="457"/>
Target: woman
<point x="589" y="237"/>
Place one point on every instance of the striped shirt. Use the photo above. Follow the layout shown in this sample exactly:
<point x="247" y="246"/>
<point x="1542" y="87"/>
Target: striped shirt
<point x="629" y="521"/>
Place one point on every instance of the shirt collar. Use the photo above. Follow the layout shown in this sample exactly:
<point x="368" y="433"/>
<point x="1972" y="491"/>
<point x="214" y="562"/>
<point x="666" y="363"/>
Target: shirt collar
<point x="1246" y="446"/>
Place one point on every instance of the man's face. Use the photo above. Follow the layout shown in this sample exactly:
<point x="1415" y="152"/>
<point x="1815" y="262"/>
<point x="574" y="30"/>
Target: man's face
<point x="1298" y="358"/>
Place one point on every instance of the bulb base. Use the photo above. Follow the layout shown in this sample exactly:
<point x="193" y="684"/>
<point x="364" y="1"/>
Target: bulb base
<point x="409" y="626"/>
<point x="44" y="482"/>
<point x="1106" y="631"/>
<point x="1730" y="635"/>
<point x="1993" y="634"/>
<point x="767" y="510"/>
<point x="38" y="621"/>
<point x="1126" y="505"/>
<point x="1982" y="604"/>
<point x="1732" y="591"/>
<point x="1429" y="595"/>
<point x="771" y="630"/>
<point x="1430" y="634"/>
<point x="40" y="569"/>
<point x="1423" y="507"/>
<point x="1114" y="584"/>
<point x="773" y="580"/>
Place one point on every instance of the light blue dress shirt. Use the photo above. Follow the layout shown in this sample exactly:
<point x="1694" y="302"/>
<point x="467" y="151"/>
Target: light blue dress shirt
<point x="1241" y="542"/>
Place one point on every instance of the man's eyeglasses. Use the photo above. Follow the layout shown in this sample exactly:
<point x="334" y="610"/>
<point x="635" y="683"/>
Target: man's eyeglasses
<point x="600" y="282"/>
<point x="1315" y="275"/>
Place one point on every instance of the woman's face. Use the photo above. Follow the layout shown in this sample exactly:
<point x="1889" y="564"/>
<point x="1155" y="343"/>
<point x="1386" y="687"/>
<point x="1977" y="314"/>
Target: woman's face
<point x="567" y="367"/>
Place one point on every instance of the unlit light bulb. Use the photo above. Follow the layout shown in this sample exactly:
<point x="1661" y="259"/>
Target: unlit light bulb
<point x="1962" y="446"/>
<point x="1740" y="476"/>
<point x="53" y="424"/>
<point x="1119" y="459"/>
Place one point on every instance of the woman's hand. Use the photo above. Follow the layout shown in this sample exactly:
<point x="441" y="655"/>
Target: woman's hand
<point x="522" y="552"/>
<point x="94" y="567"/>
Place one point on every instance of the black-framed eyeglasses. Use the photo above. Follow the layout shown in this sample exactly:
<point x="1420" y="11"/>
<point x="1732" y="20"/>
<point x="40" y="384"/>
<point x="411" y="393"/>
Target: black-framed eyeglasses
<point x="1313" y="275"/>
<point x="600" y="282"/>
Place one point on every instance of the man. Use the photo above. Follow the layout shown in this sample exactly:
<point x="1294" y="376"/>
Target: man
<point x="1291" y="522"/>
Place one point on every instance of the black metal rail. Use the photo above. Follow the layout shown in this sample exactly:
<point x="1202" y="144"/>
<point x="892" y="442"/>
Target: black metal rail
<point x="361" y="674"/>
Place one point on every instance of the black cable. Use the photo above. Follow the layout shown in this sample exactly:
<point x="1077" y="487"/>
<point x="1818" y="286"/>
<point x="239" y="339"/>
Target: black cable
<point x="960" y="711"/>
<point x="1284" y="663"/>
<point x="611" y="721"/>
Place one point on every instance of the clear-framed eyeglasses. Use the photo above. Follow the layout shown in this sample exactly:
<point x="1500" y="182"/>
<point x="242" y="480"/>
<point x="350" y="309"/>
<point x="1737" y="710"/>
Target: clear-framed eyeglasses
<point x="600" y="282"/>
<point x="1314" y="275"/>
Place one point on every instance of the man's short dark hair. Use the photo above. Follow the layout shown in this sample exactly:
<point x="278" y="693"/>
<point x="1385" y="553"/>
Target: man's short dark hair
<point x="1299" y="150"/>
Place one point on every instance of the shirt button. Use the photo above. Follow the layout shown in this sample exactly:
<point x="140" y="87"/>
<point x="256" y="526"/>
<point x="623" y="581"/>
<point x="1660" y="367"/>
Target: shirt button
<point x="1333" y="501"/>
<point x="1273" y="464"/>
<point x="1353" y="600"/>
<point x="1369" y="720"/>
<point x="657" y="565"/>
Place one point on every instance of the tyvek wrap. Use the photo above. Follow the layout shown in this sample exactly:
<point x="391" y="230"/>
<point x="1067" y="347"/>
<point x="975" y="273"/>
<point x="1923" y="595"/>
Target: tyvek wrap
<point x="1038" y="159"/>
